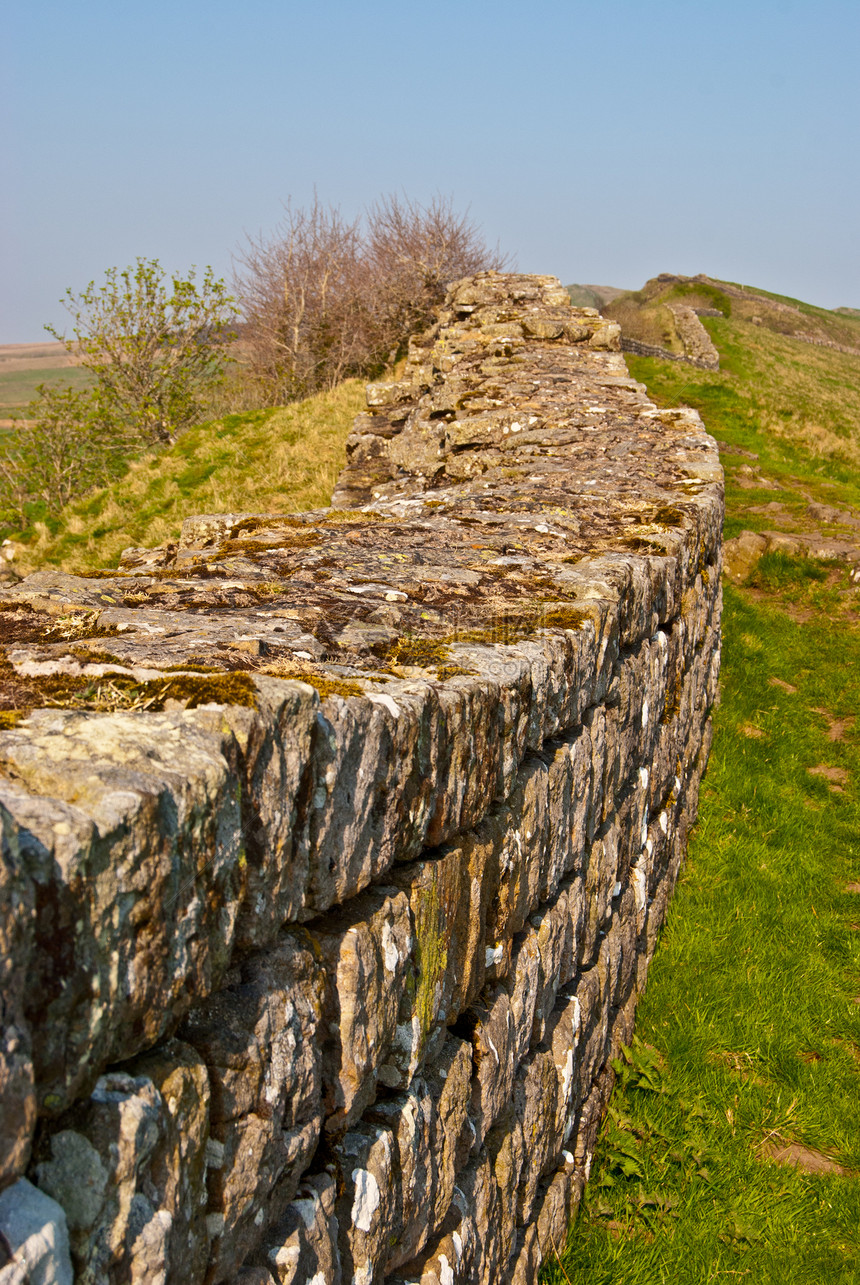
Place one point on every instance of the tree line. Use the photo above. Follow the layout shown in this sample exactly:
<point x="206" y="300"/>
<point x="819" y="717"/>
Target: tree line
<point x="318" y="300"/>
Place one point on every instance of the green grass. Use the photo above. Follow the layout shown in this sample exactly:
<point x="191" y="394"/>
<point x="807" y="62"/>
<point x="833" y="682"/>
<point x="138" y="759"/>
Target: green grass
<point x="751" y="998"/>
<point x="18" y="387"/>
<point x="749" y="1031"/>
<point x="280" y="461"/>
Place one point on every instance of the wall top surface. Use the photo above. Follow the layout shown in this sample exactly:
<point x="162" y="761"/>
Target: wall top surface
<point x="514" y="475"/>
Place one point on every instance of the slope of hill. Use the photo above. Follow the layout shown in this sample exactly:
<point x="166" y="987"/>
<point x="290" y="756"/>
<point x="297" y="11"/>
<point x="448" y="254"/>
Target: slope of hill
<point x="592" y="296"/>
<point x="732" y="1145"/>
<point x="264" y="461"/>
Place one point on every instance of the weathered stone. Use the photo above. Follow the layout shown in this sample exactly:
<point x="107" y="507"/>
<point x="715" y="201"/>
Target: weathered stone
<point x="493" y="1054"/>
<point x="367" y="952"/>
<point x="458" y="734"/>
<point x="34" y="1229"/>
<point x="112" y="814"/>
<point x="449" y="897"/>
<point x="17" y="1094"/>
<point x="303" y="1247"/>
<point x="260" y="1041"/>
<point x="122" y="1165"/>
<point x="178" y="1170"/>
<point x="274" y="745"/>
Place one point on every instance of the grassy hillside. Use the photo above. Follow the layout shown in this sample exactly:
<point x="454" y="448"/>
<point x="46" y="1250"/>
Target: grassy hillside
<point x="265" y="461"/>
<point x="732" y="1146"/>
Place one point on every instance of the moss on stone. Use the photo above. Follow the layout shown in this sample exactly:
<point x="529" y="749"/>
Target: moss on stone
<point x="509" y="627"/>
<point x="95" y="656"/>
<point x="668" y="517"/>
<point x="76" y="625"/>
<point x="194" y="664"/>
<point x="325" y="684"/>
<point x="431" y="955"/>
<point x="426" y="653"/>
<point x="354" y="517"/>
<point x="115" y="691"/>
<point x="210" y="689"/>
<point x="266" y="520"/>
<point x="641" y="545"/>
<point x="296" y="539"/>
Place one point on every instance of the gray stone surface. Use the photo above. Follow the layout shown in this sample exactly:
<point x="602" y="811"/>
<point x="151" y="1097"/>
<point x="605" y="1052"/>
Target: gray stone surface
<point x="34" y="1229"/>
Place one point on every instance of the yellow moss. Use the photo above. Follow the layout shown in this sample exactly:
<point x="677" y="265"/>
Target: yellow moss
<point x="347" y="517"/>
<point x="10" y="718"/>
<point x="324" y="683"/>
<point x="424" y="652"/>
<point x="78" y="624"/>
<point x="668" y="517"/>
<point x="218" y="689"/>
<point x="640" y="545"/>
<point x="114" y="691"/>
<point x="95" y="656"/>
<point x="431" y="954"/>
<point x="510" y="627"/>
<point x="296" y="539"/>
<point x="454" y="671"/>
<point x="326" y="687"/>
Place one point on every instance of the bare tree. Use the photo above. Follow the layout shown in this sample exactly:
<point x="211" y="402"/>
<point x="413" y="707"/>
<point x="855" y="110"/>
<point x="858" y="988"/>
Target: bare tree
<point x="414" y="252"/>
<point x="302" y="291"/>
<point x="324" y="298"/>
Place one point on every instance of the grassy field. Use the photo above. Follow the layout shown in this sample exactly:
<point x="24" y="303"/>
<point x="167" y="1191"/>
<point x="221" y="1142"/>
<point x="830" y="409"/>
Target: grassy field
<point x="732" y="1148"/>
<point x="18" y="387"/>
<point x="267" y="461"/>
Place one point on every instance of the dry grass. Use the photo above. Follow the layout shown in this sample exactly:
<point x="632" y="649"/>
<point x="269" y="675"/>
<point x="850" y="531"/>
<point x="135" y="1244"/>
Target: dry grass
<point x="276" y="461"/>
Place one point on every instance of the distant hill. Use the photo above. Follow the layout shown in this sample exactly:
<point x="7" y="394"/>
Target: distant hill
<point x="593" y="296"/>
<point x="646" y="315"/>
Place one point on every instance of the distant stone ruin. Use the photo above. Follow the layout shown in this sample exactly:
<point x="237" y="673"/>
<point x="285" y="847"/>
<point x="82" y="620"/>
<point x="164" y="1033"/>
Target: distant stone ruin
<point x="336" y="845"/>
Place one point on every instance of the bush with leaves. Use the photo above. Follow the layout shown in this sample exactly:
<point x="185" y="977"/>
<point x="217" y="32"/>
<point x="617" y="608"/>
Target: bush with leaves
<point x="67" y="443"/>
<point x="154" y="343"/>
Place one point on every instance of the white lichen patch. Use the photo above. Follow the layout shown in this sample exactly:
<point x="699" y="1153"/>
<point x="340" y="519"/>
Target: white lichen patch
<point x="366" y="1200"/>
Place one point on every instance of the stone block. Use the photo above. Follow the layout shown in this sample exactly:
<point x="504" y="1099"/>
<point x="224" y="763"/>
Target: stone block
<point x="122" y="1165"/>
<point x="449" y="897"/>
<point x="34" y="1229"/>
<point x="113" y="816"/>
<point x="367" y="951"/>
<point x="493" y="1047"/>
<point x="17" y="1091"/>
<point x="260" y="1039"/>
<point x="303" y="1248"/>
<point x="274" y="744"/>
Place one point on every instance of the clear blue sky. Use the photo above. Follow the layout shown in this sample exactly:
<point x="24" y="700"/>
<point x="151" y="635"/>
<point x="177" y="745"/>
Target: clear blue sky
<point x="600" y="142"/>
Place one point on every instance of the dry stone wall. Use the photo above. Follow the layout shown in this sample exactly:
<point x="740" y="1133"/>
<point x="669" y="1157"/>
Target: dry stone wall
<point x="336" y="844"/>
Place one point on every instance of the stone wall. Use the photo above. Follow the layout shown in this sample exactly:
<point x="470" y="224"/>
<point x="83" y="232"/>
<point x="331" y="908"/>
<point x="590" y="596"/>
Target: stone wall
<point x="336" y="845"/>
<point x="699" y="349"/>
